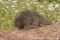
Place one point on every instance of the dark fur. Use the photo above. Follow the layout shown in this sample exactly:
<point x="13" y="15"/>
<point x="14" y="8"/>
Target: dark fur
<point x="28" y="19"/>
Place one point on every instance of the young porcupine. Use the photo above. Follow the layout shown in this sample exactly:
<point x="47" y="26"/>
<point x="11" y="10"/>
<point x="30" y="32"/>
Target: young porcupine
<point x="28" y="19"/>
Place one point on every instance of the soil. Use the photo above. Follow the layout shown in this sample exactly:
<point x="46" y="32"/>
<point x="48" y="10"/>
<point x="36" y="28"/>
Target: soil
<point x="50" y="32"/>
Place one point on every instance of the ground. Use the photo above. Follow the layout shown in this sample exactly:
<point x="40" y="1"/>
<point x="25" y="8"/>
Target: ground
<point x="51" y="32"/>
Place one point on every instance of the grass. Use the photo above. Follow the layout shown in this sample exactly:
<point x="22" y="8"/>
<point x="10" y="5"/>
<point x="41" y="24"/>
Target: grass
<point x="8" y="11"/>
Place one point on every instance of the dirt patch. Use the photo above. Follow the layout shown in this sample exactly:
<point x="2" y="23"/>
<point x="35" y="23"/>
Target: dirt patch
<point x="51" y="32"/>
